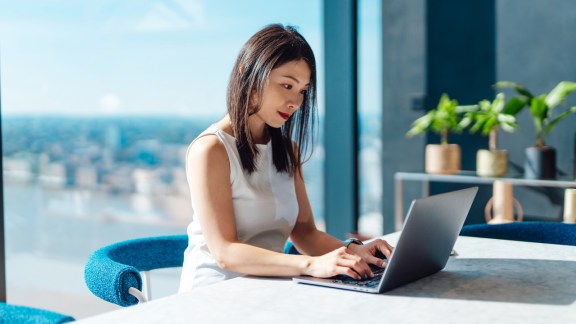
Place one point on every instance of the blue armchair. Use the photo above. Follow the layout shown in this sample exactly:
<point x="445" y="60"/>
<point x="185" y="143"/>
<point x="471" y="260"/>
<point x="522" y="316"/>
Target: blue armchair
<point x="539" y="232"/>
<point x="23" y="314"/>
<point x="114" y="272"/>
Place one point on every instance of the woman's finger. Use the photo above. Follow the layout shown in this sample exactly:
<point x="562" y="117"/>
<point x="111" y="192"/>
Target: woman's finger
<point x="358" y="265"/>
<point x="384" y="247"/>
<point x="377" y="261"/>
<point x="349" y="272"/>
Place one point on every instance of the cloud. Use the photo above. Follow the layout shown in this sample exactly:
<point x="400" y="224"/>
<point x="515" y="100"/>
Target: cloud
<point x="172" y="16"/>
<point x="110" y="103"/>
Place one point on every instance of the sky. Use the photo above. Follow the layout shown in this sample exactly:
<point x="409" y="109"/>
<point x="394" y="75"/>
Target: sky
<point x="147" y="57"/>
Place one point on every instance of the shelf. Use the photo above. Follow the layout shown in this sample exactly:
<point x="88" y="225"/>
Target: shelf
<point x="462" y="177"/>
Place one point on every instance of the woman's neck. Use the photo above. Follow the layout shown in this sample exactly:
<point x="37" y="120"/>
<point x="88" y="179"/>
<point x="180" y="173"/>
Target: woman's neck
<point x="257" y="128"/>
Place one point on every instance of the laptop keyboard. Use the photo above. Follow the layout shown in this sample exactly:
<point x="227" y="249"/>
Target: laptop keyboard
<point x="368" y="283"/>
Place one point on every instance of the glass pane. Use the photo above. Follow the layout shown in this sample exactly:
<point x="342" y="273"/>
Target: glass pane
<point x="370" y="116"/>
<point x="100" y="100"/>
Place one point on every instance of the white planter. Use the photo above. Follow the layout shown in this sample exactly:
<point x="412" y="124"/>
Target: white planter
<point x="491" y="163"/>
<point x="443" y="158"/>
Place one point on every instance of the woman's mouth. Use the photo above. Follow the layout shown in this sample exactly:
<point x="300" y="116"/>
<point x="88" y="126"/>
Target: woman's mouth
<point x="283" y="115"/>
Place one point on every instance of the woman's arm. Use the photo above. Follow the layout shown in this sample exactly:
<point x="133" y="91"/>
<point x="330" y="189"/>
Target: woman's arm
<point x="306" y="237"/>
<point x="209" y="181"/>
<point x="309" y="240"/>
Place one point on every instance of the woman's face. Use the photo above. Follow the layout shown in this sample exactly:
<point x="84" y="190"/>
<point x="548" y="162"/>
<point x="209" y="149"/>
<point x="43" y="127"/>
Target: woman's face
<point x="284" y="92"/>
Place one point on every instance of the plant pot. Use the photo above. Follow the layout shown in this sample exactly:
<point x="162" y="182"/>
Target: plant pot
<point x="443" y="158"/>
<point x="491" y="163"/>
<point x="540" y="163"/>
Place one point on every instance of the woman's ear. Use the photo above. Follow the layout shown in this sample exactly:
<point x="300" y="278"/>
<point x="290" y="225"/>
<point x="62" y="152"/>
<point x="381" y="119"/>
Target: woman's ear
<point x="241" y="69"/>
<point x="253" y="102"/>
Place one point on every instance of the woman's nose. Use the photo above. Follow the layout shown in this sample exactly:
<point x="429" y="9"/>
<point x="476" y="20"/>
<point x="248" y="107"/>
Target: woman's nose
<point x="294" y="102"/>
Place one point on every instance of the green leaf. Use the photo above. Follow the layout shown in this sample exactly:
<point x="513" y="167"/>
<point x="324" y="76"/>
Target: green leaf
<point x="479" y="124"/>
<point x="421" y="124"/>
<point x="489" y="126"/>
<point x="559" y="93"/>
<point x="516" y="86"/>
<point x="538" y="108"/>
<point x="514" y="105"/>
<point x="505" y="118"/>
<point x="559" y="118"/>
<point x="490" y="117"/>
<point x="466" y="121"/>
<point x="509" y="127"/>
<point x="447" y="117"/>
<point x="466" y="109"/>
<point x="498" y="103"/>
<point x="541" y="107"/>
<point x="445" y="103"/>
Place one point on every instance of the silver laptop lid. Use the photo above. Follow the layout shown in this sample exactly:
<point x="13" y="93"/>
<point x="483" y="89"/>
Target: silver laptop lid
<point x="428" y="236"/>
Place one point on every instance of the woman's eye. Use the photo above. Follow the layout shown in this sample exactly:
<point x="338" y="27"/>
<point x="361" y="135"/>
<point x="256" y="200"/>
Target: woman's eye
<point x="303" y="92"/>
<point x="287" y="86"/>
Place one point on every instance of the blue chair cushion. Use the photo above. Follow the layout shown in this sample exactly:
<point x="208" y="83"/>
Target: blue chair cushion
<point x="539" y="232"/>
<point x="23" y="314"/>
<point x="289" y="248"/>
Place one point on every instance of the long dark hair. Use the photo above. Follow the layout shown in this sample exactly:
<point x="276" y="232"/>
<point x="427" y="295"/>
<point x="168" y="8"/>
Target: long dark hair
<point x="269" y="48"/>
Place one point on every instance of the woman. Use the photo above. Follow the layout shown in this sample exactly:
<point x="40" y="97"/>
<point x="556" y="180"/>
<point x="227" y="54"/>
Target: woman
<point x="245" y="175"/>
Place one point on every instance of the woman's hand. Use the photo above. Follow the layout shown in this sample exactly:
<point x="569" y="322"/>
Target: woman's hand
<point x="337" y="262"/>
<point x="368" y="252"/>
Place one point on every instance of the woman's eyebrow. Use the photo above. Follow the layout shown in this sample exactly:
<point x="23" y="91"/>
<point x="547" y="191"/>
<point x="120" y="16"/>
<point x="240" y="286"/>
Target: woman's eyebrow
<point x="293" y="78"/>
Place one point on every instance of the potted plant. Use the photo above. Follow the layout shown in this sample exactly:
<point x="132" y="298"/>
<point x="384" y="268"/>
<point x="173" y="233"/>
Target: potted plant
<point x="443" y="158"/>
<point x="489" y="117"/>
<point x="540" y="159"/>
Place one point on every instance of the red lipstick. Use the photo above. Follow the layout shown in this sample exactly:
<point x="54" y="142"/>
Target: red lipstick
<point x="283" y="115"/>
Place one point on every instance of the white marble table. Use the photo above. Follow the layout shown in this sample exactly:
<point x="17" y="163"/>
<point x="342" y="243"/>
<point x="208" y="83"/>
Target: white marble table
<point x="490" y="281"/>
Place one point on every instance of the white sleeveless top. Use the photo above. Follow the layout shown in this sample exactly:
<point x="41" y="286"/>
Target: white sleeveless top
<point x="265" y="209"/>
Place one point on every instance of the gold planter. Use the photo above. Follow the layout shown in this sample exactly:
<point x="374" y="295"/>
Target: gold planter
<point x="443" y="158"/>
<point x="491" y="163"/>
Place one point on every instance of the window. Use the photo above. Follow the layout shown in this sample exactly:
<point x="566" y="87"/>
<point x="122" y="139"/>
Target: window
<point x="99" y="102"/>
<point x="370" y="116"/>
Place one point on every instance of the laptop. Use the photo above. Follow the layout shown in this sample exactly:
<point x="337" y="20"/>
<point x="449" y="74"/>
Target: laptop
<point x="430" y="231"/>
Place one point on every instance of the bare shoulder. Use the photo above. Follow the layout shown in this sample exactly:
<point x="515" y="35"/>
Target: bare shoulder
<point x="208" y="148"/>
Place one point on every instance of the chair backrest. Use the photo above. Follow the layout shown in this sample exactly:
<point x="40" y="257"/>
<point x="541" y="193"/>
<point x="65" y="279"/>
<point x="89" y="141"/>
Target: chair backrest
<point x="112" y="270"/>
<point x="539" y="232"/>
<point x="23" y="314"/>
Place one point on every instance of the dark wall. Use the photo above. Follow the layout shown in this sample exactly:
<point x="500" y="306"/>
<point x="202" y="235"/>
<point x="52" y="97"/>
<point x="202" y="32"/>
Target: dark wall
<point x="461" y="61"/>
<point x="462" y="48"/>
<point x="536" y="47"/>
